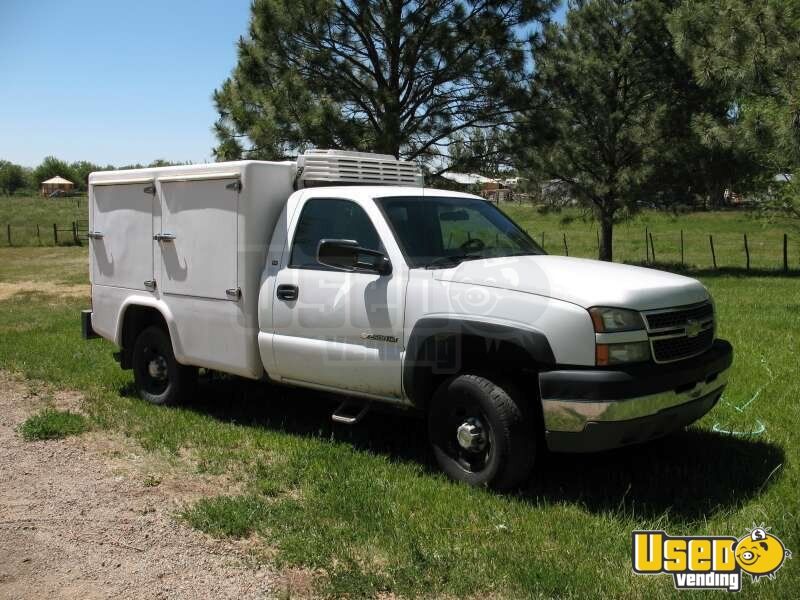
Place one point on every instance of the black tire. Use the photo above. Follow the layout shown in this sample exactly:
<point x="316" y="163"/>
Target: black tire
<point x="159" y="378"/>
<point x="498" y="425"/>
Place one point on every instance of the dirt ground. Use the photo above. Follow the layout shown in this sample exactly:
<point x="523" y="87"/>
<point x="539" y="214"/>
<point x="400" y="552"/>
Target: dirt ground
<point x="70" y="291"/>
<point x="94" y="517"/>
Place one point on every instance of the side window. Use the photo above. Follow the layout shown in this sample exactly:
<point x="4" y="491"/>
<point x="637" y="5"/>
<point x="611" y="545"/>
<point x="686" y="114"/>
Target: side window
<point x="324" y="218"/>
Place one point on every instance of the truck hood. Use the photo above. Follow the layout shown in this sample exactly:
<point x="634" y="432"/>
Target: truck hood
<point x="580" y="281"/>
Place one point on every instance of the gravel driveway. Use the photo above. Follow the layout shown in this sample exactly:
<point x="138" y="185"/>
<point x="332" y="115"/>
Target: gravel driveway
<point x="93" y="517"/>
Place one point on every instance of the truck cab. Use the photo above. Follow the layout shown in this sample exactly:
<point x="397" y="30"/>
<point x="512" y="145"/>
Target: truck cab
<point x="364" y="283"/>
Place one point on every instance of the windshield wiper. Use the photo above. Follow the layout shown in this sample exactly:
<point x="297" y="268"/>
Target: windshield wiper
<point x="451" y="260"/>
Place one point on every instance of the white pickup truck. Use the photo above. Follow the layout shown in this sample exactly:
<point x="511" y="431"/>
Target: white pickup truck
<point x="339" y="272"/>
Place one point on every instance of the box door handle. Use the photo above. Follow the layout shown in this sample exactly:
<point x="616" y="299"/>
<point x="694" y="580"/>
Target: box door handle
<point x="164" y="237"/>
<point x="94" y="235"/>
<point x="233" y="293"/>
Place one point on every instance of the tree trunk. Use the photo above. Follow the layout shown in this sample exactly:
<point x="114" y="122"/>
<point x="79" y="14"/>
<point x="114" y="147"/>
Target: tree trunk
<point x="388" y="140"/>
<point x="606" y="237"/>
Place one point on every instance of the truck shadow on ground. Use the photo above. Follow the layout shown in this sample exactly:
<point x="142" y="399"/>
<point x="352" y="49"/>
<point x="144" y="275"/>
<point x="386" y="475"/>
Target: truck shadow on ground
<point x="688" y="475"/>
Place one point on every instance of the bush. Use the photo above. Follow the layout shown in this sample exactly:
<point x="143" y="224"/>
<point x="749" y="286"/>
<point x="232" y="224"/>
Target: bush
<point x="51" y="424"/>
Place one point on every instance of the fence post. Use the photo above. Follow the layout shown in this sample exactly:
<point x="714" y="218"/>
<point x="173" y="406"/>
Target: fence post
<point x="713" y="254"/>
<point x="75" y="233"/>
<point x="38" y="234"/>
<point x="566" y="249"/>
<point x="543" y="240"/>
<point x="785" y="253"/>
<point x="55" y="234"/>
<point x="683" y="263"/>
<point x="8" y="231"/>
<point x="652" y="247"/>
<point x="747" y="251"/>
<point x="597" y="231"/>
<point x="646" y="247"/>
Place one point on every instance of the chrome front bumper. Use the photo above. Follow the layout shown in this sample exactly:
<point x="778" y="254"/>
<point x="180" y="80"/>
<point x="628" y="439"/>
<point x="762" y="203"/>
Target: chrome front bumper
<point x="594" y="409"/>
<point x="573" y="415"/>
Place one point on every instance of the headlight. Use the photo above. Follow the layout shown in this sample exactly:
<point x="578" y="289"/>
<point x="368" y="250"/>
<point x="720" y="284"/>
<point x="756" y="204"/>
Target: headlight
<point x="611" y="320"/>
<point x="616" y="354"/>
<point x="617" y="320"/>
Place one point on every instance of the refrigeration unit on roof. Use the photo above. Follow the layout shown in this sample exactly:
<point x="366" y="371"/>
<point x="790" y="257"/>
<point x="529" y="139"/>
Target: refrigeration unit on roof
<point x="341" y="167"/>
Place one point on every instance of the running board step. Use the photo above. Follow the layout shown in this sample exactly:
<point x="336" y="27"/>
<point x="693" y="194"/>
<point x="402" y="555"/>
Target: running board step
<point x="350" y="412"/>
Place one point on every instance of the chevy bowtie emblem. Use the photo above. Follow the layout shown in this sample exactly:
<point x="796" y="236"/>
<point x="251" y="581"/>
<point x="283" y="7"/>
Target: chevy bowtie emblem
<point x="693" y="328"/>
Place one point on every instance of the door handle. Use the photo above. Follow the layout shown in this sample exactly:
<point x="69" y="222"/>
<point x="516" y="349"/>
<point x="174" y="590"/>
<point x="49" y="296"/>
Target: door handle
<point x="94" y="235"/>
<point x="164" y="237"/>
<point x="287" y="292"/>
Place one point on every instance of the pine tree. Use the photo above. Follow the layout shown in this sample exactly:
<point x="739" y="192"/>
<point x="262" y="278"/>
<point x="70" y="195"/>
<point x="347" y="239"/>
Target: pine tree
<point x="750" y="51"/>
<point x="400" y="77"/>
<point x="613" y="109"/>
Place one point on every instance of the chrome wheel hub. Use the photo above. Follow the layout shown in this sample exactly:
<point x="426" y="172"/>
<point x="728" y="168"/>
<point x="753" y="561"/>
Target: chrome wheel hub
<point x="471" y="435"/>
<point x="157" y="368"/>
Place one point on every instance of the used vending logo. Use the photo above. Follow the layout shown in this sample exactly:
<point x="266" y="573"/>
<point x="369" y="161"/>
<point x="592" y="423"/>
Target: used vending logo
<point x="709" y="562"/>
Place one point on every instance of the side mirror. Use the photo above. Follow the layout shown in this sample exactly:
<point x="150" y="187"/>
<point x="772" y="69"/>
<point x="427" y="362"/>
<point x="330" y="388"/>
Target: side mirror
<point x="347" y="255"/>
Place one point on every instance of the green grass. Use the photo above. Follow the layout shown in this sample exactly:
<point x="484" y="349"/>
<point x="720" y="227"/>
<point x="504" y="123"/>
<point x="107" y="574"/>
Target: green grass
<point x="52" y="424"/>
<point x="24" y="214"/>
<point x="765" y="238"/>
<point x="60" y="266"/>
<point x="226" y="515"/>
<point x="367" y="507"/>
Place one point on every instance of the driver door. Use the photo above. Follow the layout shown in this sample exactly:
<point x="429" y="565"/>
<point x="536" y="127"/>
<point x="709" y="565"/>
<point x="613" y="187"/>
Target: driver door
<point x="337" y="329"/>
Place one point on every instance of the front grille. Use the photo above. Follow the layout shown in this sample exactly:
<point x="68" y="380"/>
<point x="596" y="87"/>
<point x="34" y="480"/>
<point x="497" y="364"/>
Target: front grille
<point x="679" y="317"/>
<point x="676" y="348"/>
<point x="681" y="332"/>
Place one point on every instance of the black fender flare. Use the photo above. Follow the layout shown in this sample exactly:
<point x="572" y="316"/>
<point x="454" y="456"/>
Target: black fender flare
<point x="533" y="342"/>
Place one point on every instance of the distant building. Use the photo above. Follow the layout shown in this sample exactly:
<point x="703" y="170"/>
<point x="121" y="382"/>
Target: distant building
<point x="56" y="186"/>
<point x="467" y="179"/>
<point x="495" y="190"/>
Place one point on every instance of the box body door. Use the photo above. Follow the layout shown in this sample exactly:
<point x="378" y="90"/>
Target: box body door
<point x="199" y="238"/>
<point x="121" y="238"/>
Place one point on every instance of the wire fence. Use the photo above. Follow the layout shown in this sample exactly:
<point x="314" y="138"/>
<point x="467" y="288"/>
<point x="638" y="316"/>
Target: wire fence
<point x="73" y="233"/>
<point x="679" y="248"/>
<point x="683" y="249"/>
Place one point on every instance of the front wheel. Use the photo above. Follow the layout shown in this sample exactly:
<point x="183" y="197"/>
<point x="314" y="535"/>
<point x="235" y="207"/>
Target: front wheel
<point x="482" y="432"/>
<point x="159" y="378"/>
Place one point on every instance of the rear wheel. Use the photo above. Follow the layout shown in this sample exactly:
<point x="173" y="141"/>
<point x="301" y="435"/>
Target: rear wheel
<point x="482" y="432"/>
<point x="159" y="378"/>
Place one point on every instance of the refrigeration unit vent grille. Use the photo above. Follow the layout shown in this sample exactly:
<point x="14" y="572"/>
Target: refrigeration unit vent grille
<point x="339" y="167"/>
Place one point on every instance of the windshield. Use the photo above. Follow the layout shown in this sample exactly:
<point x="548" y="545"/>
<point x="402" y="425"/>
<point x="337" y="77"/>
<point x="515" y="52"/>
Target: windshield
<point x="441" y="232"/>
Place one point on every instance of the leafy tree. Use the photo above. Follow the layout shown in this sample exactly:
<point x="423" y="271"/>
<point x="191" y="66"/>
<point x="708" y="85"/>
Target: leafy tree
<point x="400" y="77"/>
<point x="750" y="51"/>
<point x="81" y="170"/>
<point x="12" y="177"/>
<point x="613" y="109"/>
<point x="163" y="162"/>
<point x="50" y="167"/>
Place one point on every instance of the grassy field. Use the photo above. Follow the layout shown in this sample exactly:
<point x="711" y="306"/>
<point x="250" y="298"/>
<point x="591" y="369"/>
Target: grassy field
<point x="24" y="214"/>
<point x="765" y="238"/>
<point x="365" y="506"/>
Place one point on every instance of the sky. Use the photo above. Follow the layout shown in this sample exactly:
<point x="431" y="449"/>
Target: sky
<point x="114" y="82"/>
